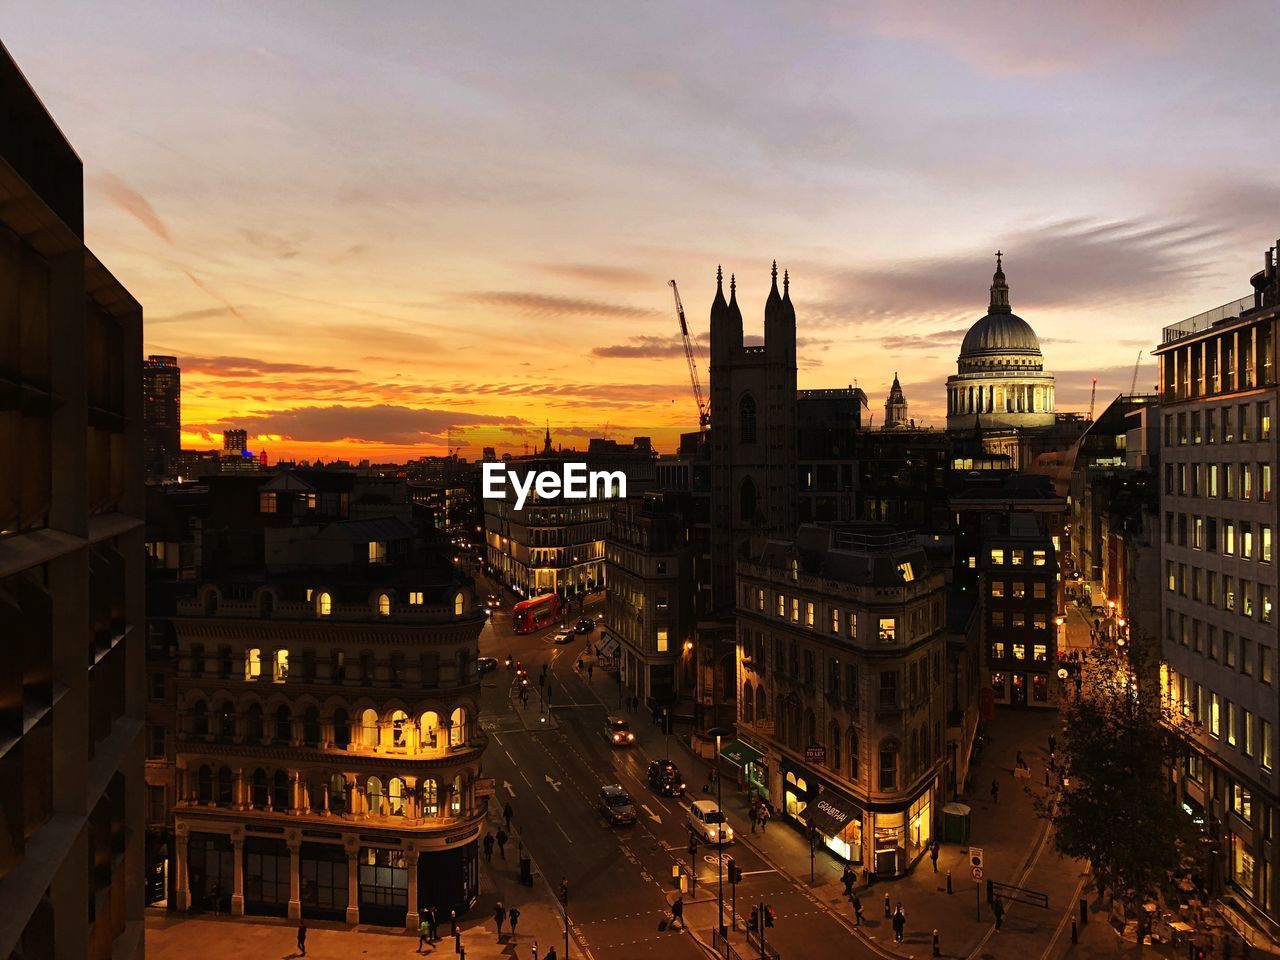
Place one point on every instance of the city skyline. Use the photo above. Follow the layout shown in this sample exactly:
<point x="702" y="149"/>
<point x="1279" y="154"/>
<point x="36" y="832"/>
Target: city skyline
<point x="356" y="231"/>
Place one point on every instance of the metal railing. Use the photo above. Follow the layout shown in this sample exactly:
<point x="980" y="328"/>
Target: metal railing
<point x="1203" y="321"/>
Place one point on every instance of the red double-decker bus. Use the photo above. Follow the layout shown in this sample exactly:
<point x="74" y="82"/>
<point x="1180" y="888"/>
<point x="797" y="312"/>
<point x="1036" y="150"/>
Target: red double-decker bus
<point x="534" y="614"/>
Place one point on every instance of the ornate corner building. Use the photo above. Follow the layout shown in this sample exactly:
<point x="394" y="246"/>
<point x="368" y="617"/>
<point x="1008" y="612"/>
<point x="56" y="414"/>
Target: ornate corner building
<point x="328" y="752"/>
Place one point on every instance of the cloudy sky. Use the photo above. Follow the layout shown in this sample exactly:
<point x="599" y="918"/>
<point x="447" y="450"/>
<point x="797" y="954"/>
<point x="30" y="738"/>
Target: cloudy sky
<point x="366" y="226"/>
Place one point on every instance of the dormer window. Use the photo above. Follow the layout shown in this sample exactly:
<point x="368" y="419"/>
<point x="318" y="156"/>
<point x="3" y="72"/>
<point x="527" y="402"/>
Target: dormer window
<point x="908" y="574"/>
<point x="324" y="603"/>
<point x="377" y="551"/>
<point x="459" y="605"/>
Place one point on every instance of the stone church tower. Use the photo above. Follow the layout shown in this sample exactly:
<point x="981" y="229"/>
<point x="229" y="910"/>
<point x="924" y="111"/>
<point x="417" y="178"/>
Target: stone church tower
<point x="753" y="432"/>
<point x="895" y="408"/>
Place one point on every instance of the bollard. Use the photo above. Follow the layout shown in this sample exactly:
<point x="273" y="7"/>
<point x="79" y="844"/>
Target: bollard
<point x="1084" y="911"/>
<point x="948" y="881"/>
<point x="457" y="941"/>
<point x="937" y="950"/>
<point x="1075" y="933"/>
<point x="888" y="906"/>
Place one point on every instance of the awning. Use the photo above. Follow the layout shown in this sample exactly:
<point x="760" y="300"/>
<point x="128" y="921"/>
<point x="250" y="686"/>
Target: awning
<point x="739" y="754"/>
<point x="830" y="813"/>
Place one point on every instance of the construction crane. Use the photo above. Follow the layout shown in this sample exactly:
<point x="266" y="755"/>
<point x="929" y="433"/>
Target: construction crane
<point x="1133" y="387"/>
<point x="704" y="411"/>
<point x="1093" y="395"/>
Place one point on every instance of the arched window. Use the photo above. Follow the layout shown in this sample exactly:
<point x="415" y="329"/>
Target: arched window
<point x="311" y="727"/>
<point x="252" y="663"/>
<point x="795" y="569"/>
<point x="337" y="793"/>
<point x="205" y="785"/>
<point x="253" y="723"/>
<point x="455" y="797"/>
<point x="324" y="603"/>
<point x="341" y="729"/>
<point x="430" y="799"/>
<point x="428" y="728"/>
<point x="747" y="500"/>
<point x="281" y="666"/>
<point x="395" y="797"/>
<point x="748" y="703"/>
<point x="258" y="794"/>
<point x="280" y="791"/>
<point x="747" y="419"/>
<point x="266" y="603"/>
<point x="459" y="604"/>
<point x="810" y="727"/>
<point x="200" y="719"/>
<point x="833" y="746"/>
<point x="224" y="787"/>
<point x="458" y="727"/>
<point x="226" y="721"/>
<point x="855" y="766"/>
<point x="373" y="794"/>
<point x="399" y="719"/>
<point x="369" y="729"/>
<point x="284" y="725"/>
<point x="384" y="605"/>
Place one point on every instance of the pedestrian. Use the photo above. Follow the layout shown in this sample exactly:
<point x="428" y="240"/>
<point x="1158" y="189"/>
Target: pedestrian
<point x="424" y="931"/>
<point x="513" y="917"/>
<point x="899" y="924"/>
<point x="551" y="954"/>
<point x="453" y="923"/>
<point x="857" y="910"/>
<point x="302" y="937"/>
<point x="591" y="668"/>
<point x="507" y="814"/>
<point x="997" y="908"/>
<point x="764" y="816"/>
<point x="888" y="906"/>
<point x="433" y="925"/>
<point x="1022" y="764"/>
<point x="933" y="854"/>
<point x="499" y="917"/>
<point x="677" y="912"/>
<point x="848" y="878"/>
<point x="502" y="843"/>
<point x="217" y="899"/>
<point x="488" y="847"/>
<point x="752" y="815"/>
<point x="995" y="791"/>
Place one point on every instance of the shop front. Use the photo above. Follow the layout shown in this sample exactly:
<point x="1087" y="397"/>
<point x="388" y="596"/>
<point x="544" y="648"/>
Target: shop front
<point x="808" y="800"/>
<point x="902" y="834"/>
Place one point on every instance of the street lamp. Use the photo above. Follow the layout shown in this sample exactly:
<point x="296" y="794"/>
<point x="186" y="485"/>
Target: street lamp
<point x="718" y="733"/>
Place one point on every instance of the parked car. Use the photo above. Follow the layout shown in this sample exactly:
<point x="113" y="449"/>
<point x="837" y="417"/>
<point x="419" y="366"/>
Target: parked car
<point x="664" y="777"/>
<point x="564" y="636"/>
<point x="707" y="822"/>
<point x="486" y="664"/>
<point x="619" y="732"/>
<point x="585" y="625"/>
<point x="617" y="806"/>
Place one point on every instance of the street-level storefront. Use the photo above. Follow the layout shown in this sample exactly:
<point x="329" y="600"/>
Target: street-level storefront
<point x="887" y="838"/>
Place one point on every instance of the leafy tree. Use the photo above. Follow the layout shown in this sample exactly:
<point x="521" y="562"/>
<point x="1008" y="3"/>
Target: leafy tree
<point x="1114" y="809"/>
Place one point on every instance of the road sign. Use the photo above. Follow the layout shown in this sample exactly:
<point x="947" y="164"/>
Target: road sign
<point x="977" y="873"/>
<point x="975" y="858"/>
<point x="815" y="753"/>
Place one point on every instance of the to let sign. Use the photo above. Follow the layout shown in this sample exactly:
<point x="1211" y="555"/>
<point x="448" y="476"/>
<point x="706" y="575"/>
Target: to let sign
<point x="815" y="754"/>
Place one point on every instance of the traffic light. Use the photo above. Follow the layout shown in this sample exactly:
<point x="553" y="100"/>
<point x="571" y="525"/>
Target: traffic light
<point x="769" y="915"/>
<point x="564" y="892"/>
<point x="753" y="921"/>
<point x="735" y="871"/>
<point x="1197" y="952"/>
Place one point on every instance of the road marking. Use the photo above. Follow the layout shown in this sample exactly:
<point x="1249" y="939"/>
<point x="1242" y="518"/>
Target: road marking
<point x="526" y="779"/>
<point x="544" y="805"/>
<point x="555" y="784"/>
<point x="506" y="785"/>
<point x="652" y="816"/>
<point x="561" y="829"/>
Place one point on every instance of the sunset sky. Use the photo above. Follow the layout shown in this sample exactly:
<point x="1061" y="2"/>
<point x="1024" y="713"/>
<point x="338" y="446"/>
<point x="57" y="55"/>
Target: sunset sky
<point x="359" y="224"/>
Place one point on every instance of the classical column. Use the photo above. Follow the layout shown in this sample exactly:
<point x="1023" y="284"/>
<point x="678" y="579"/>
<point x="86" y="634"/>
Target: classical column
<point x="295" y="878"/>
<point x="295" y="792"/>
<point x="326" y="734"/>
<point x="411" y="915"/>
<point x="353" y="885"/>
<point x="182" y="785"/>
<point x="237" y="790"/>
<point x="352" y="802"/>
<point x="181" y="886"/>
<point x="324" y="797"/>
<point x="237" y="867"/>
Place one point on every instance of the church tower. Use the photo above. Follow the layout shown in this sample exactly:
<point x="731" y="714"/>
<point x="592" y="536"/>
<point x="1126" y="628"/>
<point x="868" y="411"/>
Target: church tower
<point x="753" y="432"/>
<point x="895" y="408"/>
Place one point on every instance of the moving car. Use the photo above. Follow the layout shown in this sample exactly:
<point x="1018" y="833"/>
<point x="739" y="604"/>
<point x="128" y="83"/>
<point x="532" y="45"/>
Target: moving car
<point x="564" y="636"/>
<point x="707" y="822"/>
<point x="486" y="664"/>
<point x="617" y="806"/>
<point x="585" y="625"/>
<point x="664" y="777"/>
<point x="619" y="732"/>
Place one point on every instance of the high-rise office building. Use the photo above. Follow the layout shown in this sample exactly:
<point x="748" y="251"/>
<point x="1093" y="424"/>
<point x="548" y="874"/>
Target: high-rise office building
<point x="71" y="561"/>
<point x="235" y="442"/>
<point x="161" y="414"/>
<point x="1218" y="459"/>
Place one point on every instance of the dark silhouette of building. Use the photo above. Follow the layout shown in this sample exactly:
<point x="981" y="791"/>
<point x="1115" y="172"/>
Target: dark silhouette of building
<point x="71" y="561"/>
<point x="161" y="414"/>
<point x="895" y="407"/>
